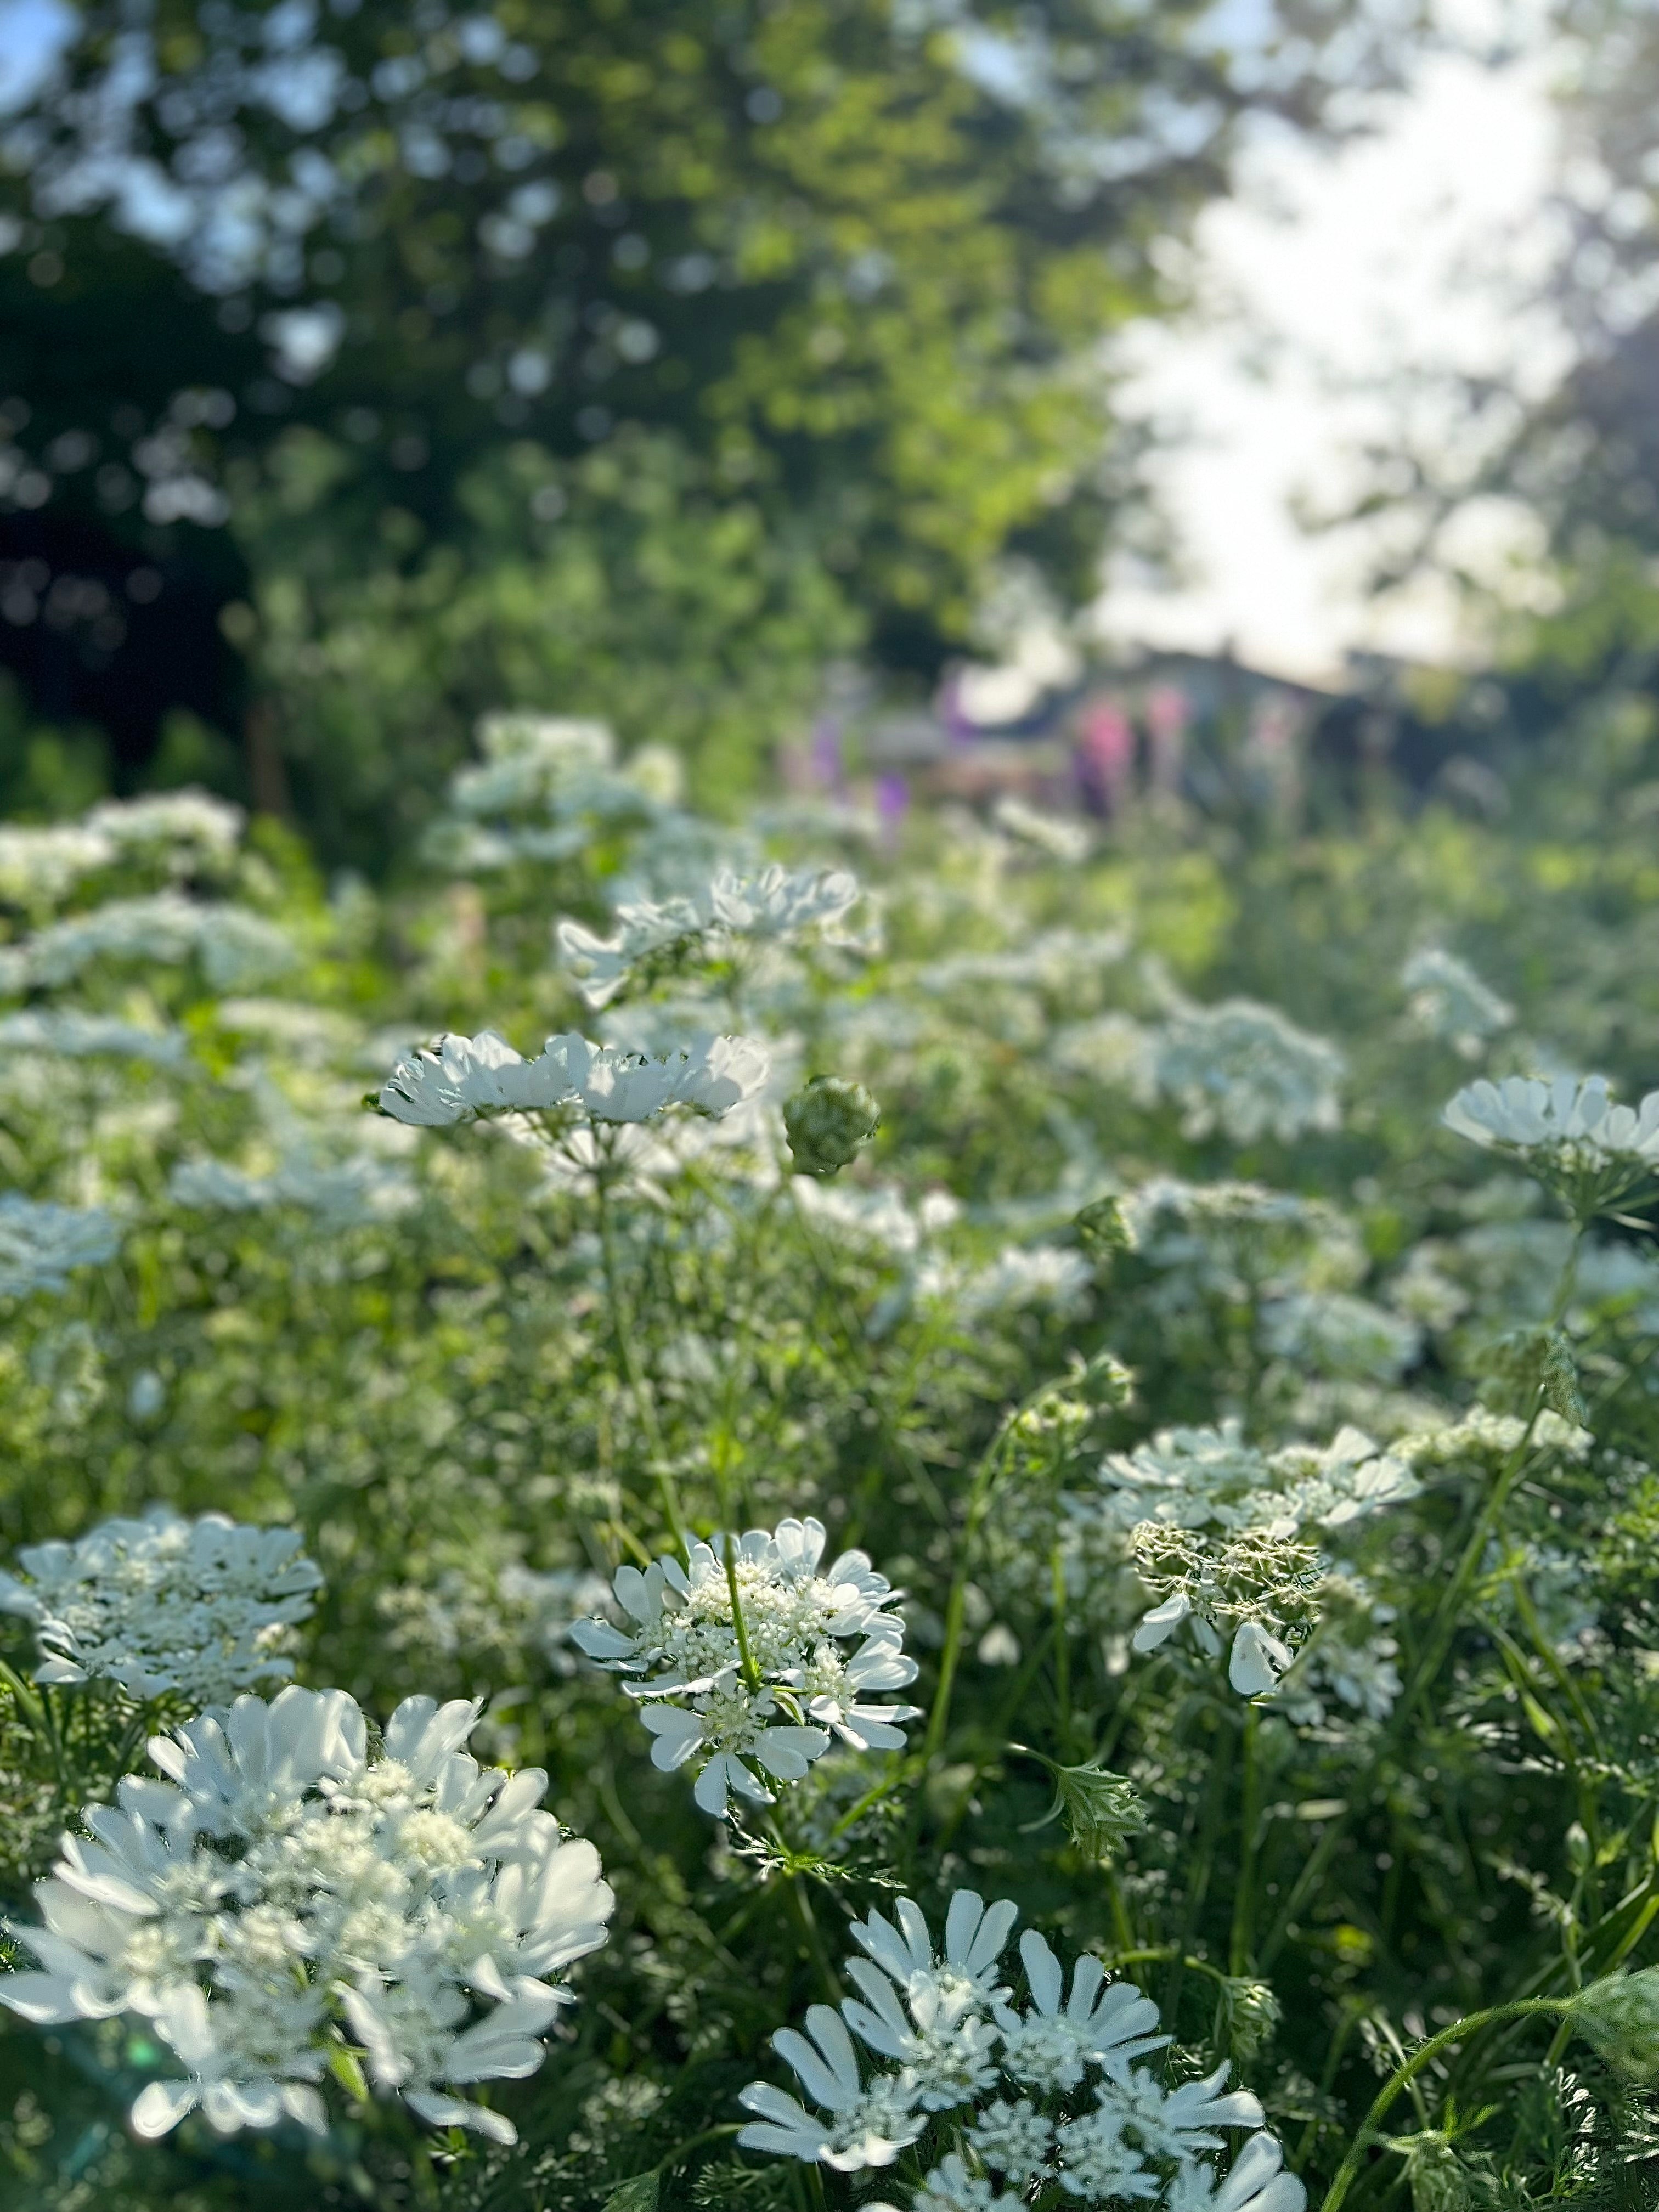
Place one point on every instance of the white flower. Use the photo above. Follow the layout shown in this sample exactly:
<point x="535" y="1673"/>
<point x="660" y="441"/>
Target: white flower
<point x="1061" y="840"/>
<point x="1204" y="1478"/>
<point x="38" y="867"/>
<point x="1524" y="1111"/>
<point x="1017" y="2139"/>
<point x="41" y="1244"/>
<point x="466" y="1077"/>
<point x="1244" y="1069"/>
<point x="84" y="1036"/>
<point x="975" y="1937"/>
<point x="280" y="1885"/>
<point x="344" y="1193"/>
<point x="950" y="2188"/>
<point x="776" y="904"/>
<point x="868" y="2128"/>
<point x="1337" y="1333"/>
<point x="237" y="949"/>
<point x="164" y="1604"/>
<point x="1103" y="2025"/>
<point x="877" y="1215"/>
<point x="1158" y="1625"/>
<point x="936" y="2020"/>
<point x="1448" y="1000"/>
<point x="196" y="829"/>
<point x="683" y="1648"/>
<point x="1098" y="2160"/>
<point x="1177" y="2123"/>
<point x="1017" y="1279"/>
<point x="1254" y="2183"/>
<point x="1257" y="1660"/>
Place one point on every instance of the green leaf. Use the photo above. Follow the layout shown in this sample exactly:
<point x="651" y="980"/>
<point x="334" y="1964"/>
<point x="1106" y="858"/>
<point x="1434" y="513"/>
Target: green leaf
<point x="639" y="2195"/>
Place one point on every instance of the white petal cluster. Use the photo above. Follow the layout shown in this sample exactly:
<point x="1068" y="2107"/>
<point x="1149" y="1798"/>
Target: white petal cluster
<point x="1243" y="1069"/>
<point x="1335" y="1333"/>
<point x="777" y="904"/>
<point x="189" y="829"/>
<point x="681" y="1652"/>
<point x="1446" y="1000"/>
<point x="38" y="867"/>
<point x="340" y="1194"/>
<point x="238" y="950"/>
<point x="1525" y="1114"/>
<point x="283" y="1886"/>
<point x="197" y="1608"/>
<point x="1209" y="1477"/>
<point x="1039" y="2093"/>
<point x="41" y="1244"/>
<point x="75" y="1036"/>
<point x="463" y="1078"/>
<point x="1019" y="1279"/>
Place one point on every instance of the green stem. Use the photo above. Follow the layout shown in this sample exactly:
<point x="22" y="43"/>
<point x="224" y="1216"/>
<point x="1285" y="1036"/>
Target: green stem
<point x="1062" y="1653"/>
<point x="1215" y="1798"/>
<point x="622" y="1329"/>
<point x="751" y="1671"/>
<point x="956" y="1605"/>
<point x="1403" y="2075"/>
<point x="1239" y="1943"/>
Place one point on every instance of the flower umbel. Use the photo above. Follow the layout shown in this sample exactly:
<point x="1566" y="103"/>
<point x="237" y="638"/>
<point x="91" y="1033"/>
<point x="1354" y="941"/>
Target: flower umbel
<point x="197" y="1608"/>
<point x="283" y="1885"/>
<point x="769" y="1690"/>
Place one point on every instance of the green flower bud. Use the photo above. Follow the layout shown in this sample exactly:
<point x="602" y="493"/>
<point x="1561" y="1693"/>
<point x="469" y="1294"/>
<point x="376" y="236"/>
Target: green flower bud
<point x="1101" y="1229"/>
<point x="1620" y="2015"/>
<point x="829" y="1123"/>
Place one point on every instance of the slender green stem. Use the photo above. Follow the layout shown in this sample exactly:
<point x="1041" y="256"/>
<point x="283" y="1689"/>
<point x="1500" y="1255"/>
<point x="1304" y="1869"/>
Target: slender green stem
<point x="1405" y="2074"/>
<point x="622" y="1329"/>
<point x="751" y="1671"/>
<point x="1215" y="1801"/>
<point x="1238" y="1944"/>
<point x="956" y="1605"/>
<point x="1062" y="1653"/>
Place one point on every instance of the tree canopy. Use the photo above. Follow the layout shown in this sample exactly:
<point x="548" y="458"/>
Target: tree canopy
<point x="478" y="352"/>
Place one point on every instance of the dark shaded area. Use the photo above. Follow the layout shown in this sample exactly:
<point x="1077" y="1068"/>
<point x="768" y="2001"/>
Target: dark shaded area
<point x="94" y="632"/>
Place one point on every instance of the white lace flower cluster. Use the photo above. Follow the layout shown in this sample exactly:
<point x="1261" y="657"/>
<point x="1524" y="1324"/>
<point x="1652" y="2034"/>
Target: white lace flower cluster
<point x="1446" y="1000"/>
<point x="197" y="1608"/>
<point x="464" y="1078"/>
<point x="282" y="1889"/>
<point x="340" y="1194"/>
<point x="1044" y="2095"/>
<point x="188" y="830"/>
<point x="760" y="1688"/>
<point x="1243" y="1069"/>
<point x="1568" y="1133"/>
<point x="778" y="904"/>
<point x="73" y="1035"/>
<point x="1261" y="1504"/>
<point x="42" y="1244"/>
<point x="1210" y="1477"/>
<point x="238" y="950"/>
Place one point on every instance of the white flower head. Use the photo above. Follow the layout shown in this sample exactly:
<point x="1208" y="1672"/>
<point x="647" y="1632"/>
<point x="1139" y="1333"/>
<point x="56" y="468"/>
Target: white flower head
<point x="1036" y="2095"/>
<point x="821" y="1645"/>
<point x="774" y="905"/>
<point x="1448" y="1000"/>
<point x="1568" y="1133"/>
<point x="41" y="1244"/>
<point x="197" y="1608"/>
<point x="464" y="1078"/>
<point x="281" y="1884"/>
<point x="1245" y="1070"/>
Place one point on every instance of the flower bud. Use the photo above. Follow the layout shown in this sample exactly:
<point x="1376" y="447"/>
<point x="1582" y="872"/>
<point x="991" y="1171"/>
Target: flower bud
<point x="1620" y="2015"/>
<point x="1102" y="1230"/>
<point x="829" y="1123"/>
